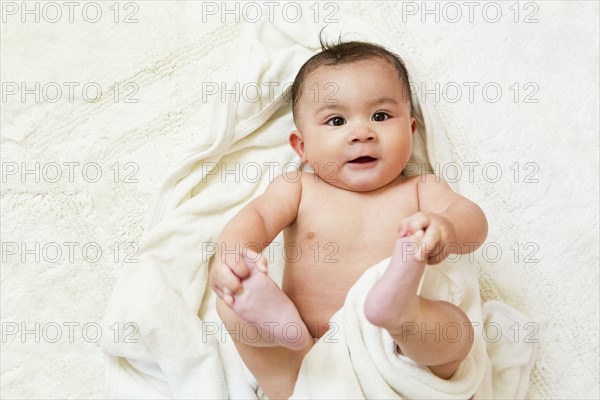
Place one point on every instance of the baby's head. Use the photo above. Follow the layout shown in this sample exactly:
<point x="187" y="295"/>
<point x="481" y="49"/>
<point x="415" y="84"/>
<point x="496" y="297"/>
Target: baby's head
<point x="346" y="53"/>
<point x="353" y="114"/>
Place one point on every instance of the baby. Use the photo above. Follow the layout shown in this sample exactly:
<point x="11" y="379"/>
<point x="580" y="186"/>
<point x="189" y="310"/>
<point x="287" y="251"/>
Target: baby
<point x="353" y="114"/>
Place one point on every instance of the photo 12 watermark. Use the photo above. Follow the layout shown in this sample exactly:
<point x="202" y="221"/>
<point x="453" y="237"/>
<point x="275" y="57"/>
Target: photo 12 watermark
<point x="452" y="332"/>
<point x="68" y="252"/>
<point x="53" y="172"/>
<point x="66" y="332"/>
<point x="254" y="11"/>
<point x="253" y="332"/>
<point x="52" y="12"/>
<point x="249" y="92"/>
<point x="291" y="251"/>
<point x="54" y="92"/>
<point x="473" y="91"/>
<point x="453" y="12"/>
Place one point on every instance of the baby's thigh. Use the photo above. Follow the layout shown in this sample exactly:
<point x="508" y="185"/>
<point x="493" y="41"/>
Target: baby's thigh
<point x="274" y="368"/>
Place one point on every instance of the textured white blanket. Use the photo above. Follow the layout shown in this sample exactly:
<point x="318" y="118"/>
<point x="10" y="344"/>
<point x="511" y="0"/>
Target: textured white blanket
<point x="170" y="52"/>
<point x="362" y="363"/>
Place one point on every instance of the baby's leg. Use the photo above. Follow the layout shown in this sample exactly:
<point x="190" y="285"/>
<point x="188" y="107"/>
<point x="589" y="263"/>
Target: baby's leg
<point x="436" y="334"/>
<point x="268" y="315"/>
<point x="274" y="367"/>
<point x="268" y="333"/>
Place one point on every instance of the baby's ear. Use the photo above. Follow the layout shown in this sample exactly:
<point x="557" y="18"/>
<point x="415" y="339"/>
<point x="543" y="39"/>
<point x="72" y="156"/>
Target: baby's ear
<point x="297" y="144"/>
<point x="413" y="124"/>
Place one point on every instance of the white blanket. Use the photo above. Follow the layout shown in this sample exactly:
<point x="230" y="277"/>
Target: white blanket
<point x="177" y="353"/>
<point x="361" y="357"/>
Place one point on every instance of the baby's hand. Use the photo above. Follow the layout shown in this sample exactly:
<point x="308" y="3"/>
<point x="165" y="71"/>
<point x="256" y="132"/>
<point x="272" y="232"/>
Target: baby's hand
<point x="438" y="234"/>
<point x="229" y="270"/>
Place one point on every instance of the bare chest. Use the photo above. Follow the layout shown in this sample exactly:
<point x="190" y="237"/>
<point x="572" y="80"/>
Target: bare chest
<point x="336" y="236"/>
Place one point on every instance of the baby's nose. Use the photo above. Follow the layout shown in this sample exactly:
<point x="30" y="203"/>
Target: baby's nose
<point x="363" y="134"/>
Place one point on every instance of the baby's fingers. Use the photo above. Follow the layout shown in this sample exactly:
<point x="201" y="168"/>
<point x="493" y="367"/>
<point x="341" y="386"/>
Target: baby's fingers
<point x="428" y="243"/>
<point x="225" y="295"/>
<point x="236" y="264"/>
<point x="414" y="223"/>
<point x="255" y="258"/>
<point x="229" y="282"/>
<point x="417" y="239"/>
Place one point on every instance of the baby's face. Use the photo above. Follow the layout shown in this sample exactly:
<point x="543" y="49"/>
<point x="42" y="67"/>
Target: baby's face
<point x="353" y="125"/>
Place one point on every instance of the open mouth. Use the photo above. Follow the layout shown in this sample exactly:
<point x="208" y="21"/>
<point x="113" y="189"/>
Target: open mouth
<point x="362" y="160"/>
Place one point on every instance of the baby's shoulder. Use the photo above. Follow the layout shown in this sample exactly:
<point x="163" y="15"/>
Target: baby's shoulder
<point x="288" y="181"/>
<point x="286" y="186"/>
<point x="295" y="182"/>
<point x="413" y="181"/>
<point x="428" y="185"/>
<point x="434" y="190"/>
<point x="427" y="180"/>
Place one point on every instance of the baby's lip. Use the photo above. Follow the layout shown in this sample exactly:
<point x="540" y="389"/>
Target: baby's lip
<point x="362" y="160"/>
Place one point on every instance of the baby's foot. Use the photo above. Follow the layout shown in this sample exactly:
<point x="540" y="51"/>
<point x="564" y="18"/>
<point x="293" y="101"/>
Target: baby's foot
<point x="262" y="302"/>
<point x="393" y="299"/>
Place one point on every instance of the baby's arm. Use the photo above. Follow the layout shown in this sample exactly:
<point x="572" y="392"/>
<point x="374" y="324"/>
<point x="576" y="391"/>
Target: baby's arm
<point x="452" y="223"/>
<point x="444" y="218"/>
<point x="254" y="227"/>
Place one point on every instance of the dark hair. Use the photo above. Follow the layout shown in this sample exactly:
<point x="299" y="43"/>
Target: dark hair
<point x="345" y="53"/>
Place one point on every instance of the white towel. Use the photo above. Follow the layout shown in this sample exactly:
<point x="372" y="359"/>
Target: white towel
<point x="177" y="354"/>
<point x="362" y="357"/>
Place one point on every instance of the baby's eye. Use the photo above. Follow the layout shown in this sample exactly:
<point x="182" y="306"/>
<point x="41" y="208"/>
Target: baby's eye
<point x="380" y="116"/>
<point x="336" y="121"/>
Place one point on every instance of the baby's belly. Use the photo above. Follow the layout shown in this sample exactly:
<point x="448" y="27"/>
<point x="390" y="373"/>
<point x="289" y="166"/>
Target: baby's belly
<point x="319" y="290"/>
